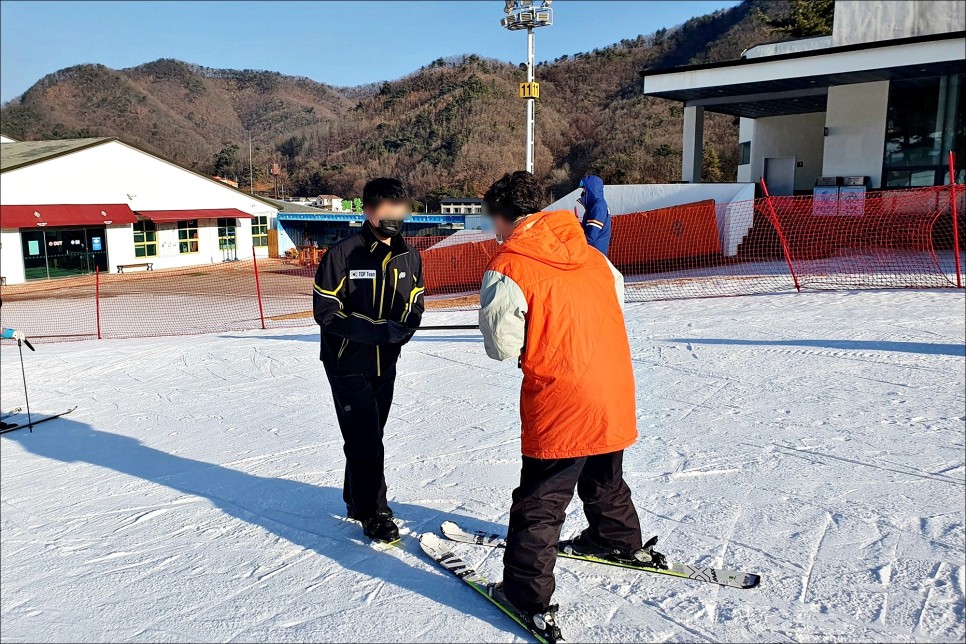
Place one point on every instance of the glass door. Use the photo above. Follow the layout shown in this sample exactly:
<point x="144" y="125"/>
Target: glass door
<point x="97" y="247"/>
<point x="67" y="252"/>
<point x="34" y="254"/>
<point x="226" y="239"/>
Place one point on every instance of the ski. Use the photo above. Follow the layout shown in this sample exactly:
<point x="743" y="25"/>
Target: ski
<point x="720" y="576"/>
<point x="37" y="422"/>
<point x="438" y="552"/>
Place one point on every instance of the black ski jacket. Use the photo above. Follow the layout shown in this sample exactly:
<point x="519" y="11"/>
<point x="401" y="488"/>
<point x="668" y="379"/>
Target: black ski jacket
<point x="368" y="300"/>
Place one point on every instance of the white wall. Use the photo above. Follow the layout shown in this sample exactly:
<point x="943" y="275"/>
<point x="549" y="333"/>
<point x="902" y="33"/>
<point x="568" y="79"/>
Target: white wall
<point x="733" y="223"/>
<point x="11" y="256"/>
<point x="120" y="246"/>
<point x="858" y="21"/>
<point x="856" y="121"/>
<point x="116" y="173"/>
<point x="797" y="135"/>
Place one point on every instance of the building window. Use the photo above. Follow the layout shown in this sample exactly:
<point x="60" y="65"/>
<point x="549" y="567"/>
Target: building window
<point x="744" y="153"/>
<point x="260" y="231"/>
<point x="924" y="122"/>
<point x="226" y="233"/>
<point x="188" y="236"/>
<point x="145" y="239"/>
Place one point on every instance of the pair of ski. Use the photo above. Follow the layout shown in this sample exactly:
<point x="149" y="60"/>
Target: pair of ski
<point x="437" y="549"/>
<point x="36" y="418"/>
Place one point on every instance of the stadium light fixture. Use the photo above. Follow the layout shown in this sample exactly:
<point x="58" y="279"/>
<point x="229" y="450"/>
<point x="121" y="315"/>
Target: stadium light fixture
<point x="529" y="15"/>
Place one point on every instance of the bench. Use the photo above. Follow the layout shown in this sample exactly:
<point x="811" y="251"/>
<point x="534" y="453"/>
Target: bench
<point x="145" y="265"/>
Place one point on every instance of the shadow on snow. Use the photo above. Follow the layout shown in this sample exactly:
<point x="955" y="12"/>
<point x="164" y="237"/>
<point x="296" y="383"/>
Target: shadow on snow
<point x="924" y="348"/>
<point x="304" y="514"/>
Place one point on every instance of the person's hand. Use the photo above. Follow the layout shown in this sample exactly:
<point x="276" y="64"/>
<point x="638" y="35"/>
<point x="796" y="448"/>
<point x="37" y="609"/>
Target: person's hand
<point x="14" y="334"/>
<point x="399" y="333"/>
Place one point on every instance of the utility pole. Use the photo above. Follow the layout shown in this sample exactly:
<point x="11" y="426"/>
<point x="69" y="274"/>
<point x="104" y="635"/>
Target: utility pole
<point x="251" y="167"/>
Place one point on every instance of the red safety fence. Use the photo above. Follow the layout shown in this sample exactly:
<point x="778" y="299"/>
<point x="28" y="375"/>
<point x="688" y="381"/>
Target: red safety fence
<point x="885" y="239"/>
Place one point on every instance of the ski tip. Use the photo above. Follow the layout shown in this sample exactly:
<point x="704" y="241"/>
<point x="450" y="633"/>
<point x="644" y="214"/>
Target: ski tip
<point x="449" y="526"/>
<point x="751" y="581"/>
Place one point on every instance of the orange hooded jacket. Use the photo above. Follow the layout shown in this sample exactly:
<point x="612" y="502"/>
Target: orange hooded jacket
<point x="554" y="303"/>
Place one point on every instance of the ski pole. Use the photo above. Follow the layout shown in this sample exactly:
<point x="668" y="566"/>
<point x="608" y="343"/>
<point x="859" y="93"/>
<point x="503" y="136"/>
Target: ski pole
<point x="30" y="422"/>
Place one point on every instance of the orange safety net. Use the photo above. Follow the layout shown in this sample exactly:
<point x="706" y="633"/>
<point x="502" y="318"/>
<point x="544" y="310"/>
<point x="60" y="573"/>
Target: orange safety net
<point x="885" y="239"/>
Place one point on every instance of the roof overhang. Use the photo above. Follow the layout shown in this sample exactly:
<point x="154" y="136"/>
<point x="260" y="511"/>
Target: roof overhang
<point x="65" y="215"/>
<point x="798" y="82"/>
<point x="166" y="216"/>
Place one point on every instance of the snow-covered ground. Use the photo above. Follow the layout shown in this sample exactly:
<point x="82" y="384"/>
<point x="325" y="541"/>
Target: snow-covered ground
<point x="817" y="439"/>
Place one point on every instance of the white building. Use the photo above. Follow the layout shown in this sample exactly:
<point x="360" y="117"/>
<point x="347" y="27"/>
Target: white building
<point x="881" y="98"/>
<point x="460" y="206"/>
<point x="329" y="202"/>
<point x="69" y="206"/>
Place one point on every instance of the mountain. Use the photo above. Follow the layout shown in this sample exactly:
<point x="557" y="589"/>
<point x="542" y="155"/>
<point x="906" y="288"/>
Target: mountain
<point x="450" y="128"/>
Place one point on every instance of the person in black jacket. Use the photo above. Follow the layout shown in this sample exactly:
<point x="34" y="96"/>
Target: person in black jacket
<point x="368" y="301"/>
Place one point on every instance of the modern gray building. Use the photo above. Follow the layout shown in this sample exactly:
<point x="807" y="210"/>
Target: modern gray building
<point x="881" y="98"/>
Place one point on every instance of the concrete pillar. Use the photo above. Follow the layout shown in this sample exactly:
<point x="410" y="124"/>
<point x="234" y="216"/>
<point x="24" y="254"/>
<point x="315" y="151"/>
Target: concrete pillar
<point x="693" y="144"/>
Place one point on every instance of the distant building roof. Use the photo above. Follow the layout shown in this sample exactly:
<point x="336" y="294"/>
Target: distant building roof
<point x="328" y="197"/>
<point x="474" y="200"/>
<point x="292" y="208"/>
<point x="6" y="139"/>
<point x="23" y="153"/>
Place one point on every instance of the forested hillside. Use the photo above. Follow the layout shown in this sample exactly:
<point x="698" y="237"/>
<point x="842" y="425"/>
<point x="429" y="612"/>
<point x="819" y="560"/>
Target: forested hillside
<point x="451" y="127"/>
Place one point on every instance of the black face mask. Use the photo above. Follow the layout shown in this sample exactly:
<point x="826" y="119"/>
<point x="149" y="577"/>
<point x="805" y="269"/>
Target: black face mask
<point x="390" y="227"/>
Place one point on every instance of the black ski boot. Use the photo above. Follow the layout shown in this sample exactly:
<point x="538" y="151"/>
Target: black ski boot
<point x="380" y="527"/>
<point x="545" y="624"/>
<point x="584" y="545"/>
<point x="6" y="425"/>
<point x="352" y="515"/>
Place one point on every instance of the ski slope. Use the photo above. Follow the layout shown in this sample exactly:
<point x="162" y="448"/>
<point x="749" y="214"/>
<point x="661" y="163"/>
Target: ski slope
<point x="816" y="439"/>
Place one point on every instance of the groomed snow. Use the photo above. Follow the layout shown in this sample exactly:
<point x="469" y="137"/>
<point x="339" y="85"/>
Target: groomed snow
<point x="816" y="439"/>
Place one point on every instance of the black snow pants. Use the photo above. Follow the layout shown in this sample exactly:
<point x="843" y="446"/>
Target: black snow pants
<point x="362" y="406"/>
<point x="538" y="512"/>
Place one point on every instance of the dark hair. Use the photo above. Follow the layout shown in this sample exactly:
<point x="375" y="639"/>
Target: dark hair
<point x="515" y="195"/>
<point x="384" y="189"/>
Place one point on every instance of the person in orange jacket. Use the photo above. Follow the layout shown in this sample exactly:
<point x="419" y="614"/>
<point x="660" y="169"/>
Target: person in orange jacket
<point x="555" y="304"/>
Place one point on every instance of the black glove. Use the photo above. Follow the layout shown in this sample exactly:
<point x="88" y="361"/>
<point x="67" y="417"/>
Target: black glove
<point x="399" y="333"/>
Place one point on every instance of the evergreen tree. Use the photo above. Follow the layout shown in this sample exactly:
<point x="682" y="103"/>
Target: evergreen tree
<point x="805" y="18"/>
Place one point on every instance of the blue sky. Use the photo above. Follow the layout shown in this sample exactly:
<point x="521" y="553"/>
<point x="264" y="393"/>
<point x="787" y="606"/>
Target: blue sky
<point x="341" y="43"/>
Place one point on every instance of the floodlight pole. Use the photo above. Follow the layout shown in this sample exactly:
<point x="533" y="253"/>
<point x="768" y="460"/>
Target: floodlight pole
<point x="524" y="14"/>
<point x="530" y="103"/>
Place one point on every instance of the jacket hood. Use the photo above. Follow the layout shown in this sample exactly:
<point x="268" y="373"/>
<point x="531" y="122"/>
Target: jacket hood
<point x="594" y="187"/>
<point x="553" y="238"/>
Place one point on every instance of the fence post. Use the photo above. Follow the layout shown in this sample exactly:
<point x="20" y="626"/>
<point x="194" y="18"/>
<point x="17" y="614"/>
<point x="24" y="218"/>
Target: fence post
<point x="952" y="198"/>
<point x="258" y="288"/>
<point x="97" y="299"/>
<point x="781" y="235"/>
